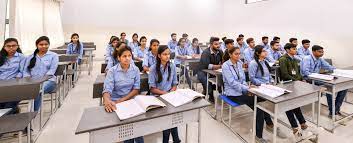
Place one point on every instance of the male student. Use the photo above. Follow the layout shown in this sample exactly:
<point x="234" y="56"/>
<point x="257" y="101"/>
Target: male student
<point x="242" y="46"/>
<point x="173" y="42"/>
<point x="265" y="42"/>
<point x="188" y="42"/>
<point x="229" y="43"/>
<point x="211" y="58"/>
<point x="223" y="44"/>
<point x="274" y="52"/>
<point x="312" y="64"/>
<point x="294" y="41"/>
<point x="277" y="39"/>
<point x="249" y="52"/>
<point x="242" y="37"/>
<point x="304" y="50"/>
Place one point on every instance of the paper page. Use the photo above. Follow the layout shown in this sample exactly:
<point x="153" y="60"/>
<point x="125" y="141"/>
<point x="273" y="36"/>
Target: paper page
<point x="321" y="76"/>
<point x="146" y="102"/>
<point x="176" y="99"/>
<point x="219" y="70"/>
<point x="343" y="73"/>
<point x="128" y="109"/>
<point x="189" y="57"/>
<point x="270" y="90"/>
<point x="190" y="93"/>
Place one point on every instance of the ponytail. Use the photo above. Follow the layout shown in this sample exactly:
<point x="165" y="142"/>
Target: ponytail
<point x="33" y="60"/>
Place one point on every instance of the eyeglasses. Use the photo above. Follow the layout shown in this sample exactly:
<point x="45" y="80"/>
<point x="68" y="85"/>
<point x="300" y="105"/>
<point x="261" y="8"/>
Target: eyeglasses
<point x="11" y="46"/>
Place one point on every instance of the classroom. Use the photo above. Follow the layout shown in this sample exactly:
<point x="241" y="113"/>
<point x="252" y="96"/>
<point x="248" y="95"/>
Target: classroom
<point x="176" y="71"/>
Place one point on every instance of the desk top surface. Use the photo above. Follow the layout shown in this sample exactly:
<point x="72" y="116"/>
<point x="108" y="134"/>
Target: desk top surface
<point x="97" y="118"/>
<point x="23" y="81"/>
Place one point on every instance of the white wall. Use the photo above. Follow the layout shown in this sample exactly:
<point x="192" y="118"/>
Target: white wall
<point x="327" y="23"/>
<point x="2" y="19"/>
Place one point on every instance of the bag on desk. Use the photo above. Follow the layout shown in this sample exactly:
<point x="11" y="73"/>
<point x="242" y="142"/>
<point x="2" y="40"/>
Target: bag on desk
<point x="181" y="97"/>
<point x="137" y="106"/>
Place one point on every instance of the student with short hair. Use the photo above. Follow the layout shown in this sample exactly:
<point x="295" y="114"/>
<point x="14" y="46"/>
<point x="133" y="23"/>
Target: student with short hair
<point x="181" y="53"/>
<point x="173" y="43"/>
<point x="313" y="64"/>
<point x="211" y="58"/>
<point x="163" y="79"/>
<point x="241" y="44"/>
<point x="140" y="52"/>
<point x="123" y="38"/>
<point x="265" y="43"/>
<point x="229" y="43"/>
<point x="150" y="57"/>
<point x="293" y="41"/>
<point x="223" y="44"/>
<point x="187" y="41"/>
<point x="11" y="66"/>
<point x="135" y="43"/>
<point x="304" y="49"/>
<point x="195" y="49"/>
<point x="121" y="84"/>
<point x="278" y="39"/>
<point x="249" y="52"/>
<point x="274" y="52"/>
<point x="40" y="64"/>
<point x="289" y="68"/>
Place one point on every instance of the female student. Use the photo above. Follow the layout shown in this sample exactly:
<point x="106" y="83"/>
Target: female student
<point x="109" y="50"/>
<point x="113" y="60"/>
<point x="123" y="38"/>
<point x="75" y="47"/>
<point x="259" y="73"/>
<point x="135" y="43"/>
<point x="141" y="50"/>
<point x="122" y="83"/>
<point x="163" y="79"/>
<point x="11" y="66"/>
<point x="181" y="53"/>
<point x="150" y="57"/>
<point x="42" y="63"/>
<point x="195" y="49"/>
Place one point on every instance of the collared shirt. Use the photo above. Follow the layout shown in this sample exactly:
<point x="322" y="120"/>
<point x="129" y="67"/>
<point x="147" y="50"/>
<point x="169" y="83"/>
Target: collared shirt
<point x="120" y="83"/>
<point x="214" y="54"/>
<point x="234" y="78"/>
<point x="108" y="52"/>
<point x="255" y="74"/>
<point x="302" y="52"/>
<point x="139" y="53"/>
<point x="243" y="47"/>
<point x="133" y="45"/>
<point x="166" y="84"/>
<point x="179" y="51"/>
<point x="172" y="45"/>
<point x="311" y="64"/>
<point x="195" y="50"/>
<point x="149" y="59"/>
<point x="187" y="43"/>
<point x="45" y="65"/>
<point x="223" y="47"/>
<point x="273" y="55"/>
<point x="13" y="67"/>
<point x="249" y="55"/>
<point x="73" y="49"/>
<point x="267" y="46"/>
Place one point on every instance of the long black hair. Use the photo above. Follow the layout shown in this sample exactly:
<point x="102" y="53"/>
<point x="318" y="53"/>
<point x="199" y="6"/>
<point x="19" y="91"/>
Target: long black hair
<point x="78" y="46"/>
<point x="115" y="39"/>
<point x="180" y="40"/>
<point x="151" y="42"/>
<point x="197" y="47"/>
<point x="115" y="52"/>
<point x="32" y="62"/>
<point x="158" y="65"/>
<point x="3" y="53"/>
<point x="142" y="37"/>
<point x="111" y="39"/>
<point x="257" y="53"/>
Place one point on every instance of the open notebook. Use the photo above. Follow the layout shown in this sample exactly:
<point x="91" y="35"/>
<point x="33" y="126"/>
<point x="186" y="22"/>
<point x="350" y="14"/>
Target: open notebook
<point x="137" y="106"/>
<point x="181" y="97"/>
<point x="270" y="90"/>
<point x="343" y="73"/>
<point x="321" y="76"/>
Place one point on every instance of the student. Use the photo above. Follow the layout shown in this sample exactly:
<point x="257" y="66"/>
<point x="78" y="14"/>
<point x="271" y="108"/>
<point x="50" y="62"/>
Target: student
<point x="249" y="52"/>
<point x="195" y="49"/>
<point x="42" y="63"/>
<point x="241" y="44"/>
<point x="113" y="60"/>
<point x="111" y="46"/>
<point x="304" y="50"/>
<point x="211" y="58"/>
<point x="141" y="50"/>
<point x="11" y="66"/>
<point x="277" y="39"/>
<point x="122" y="83"/>
<point x="134" y="44"/>
<point x="229" y="43"/>
<point x="187" y="41"/>
<point x="123" y="38"/>
<point x="265" y="42"/>
<point x="293" y="41"/>
<point x="150" y="57"/>
<point x="289" y="68"/>
<point x="173" y="42"/>
<point x="274" y="52"/>
<point x="312" y="64"/>
<point x="244" y="43"/>
<point x="181" y="53"/>
<point x="223" y="44"/>
<point x="163" y="79"/>
<point x="75" y="47"/>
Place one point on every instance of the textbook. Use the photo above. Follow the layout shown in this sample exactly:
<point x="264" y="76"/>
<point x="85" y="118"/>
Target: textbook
<point x="270" y="90"/>
<point x="137" y="106"/>
<point x="321" y="76"/>
<point x="181" y="97"/>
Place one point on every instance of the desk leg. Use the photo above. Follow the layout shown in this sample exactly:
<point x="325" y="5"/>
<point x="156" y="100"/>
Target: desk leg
<point x="199" y="128"/>
<point x="207" y="96"/>
<point x="333" y="108"/>
<point x="20" y="137"/>
<point x="254" y="120"/>
<point x="184" y="74"/>
<point x="275" y="124"/>
<point x="90" y="63"/>
<point x="186" y="133"/>
<point x="30" y="109"/>
<point x="41" y="107"/>
<point x="215" y="98"/>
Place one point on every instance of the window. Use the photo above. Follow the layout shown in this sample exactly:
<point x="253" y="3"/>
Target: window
<point x="252" y="1"/>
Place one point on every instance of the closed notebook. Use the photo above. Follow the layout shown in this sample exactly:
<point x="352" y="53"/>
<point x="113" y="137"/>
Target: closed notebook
<point x="181" y="97"/>
<point x="321" y="76"/>
<point x="270" y="90"/>
<point x="137" y="106"/>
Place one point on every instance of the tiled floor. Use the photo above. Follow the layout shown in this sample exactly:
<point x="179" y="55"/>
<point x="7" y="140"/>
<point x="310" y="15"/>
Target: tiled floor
<point x="62" y="125"/>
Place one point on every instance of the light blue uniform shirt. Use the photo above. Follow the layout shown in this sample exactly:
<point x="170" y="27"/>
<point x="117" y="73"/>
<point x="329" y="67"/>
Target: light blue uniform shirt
<point x="302" y="52"/>
<point x="133" y="45"/>
<point x="140" y="53"/>
<point x="223" y="47"/>
<point x="72" y="49"/>
<point x="166" y="84"/>
<point x="120" y="83"/>
<point x="310" y="64"/>
<point x="273" y="55"/>
<point x="172" y="45"/>
<point x="181" y="52"/>
<point x="149" y="60"/>
<point x="255" y="73"/>
<point x="234" y="79"/>
<point x="187" y="43"/>
<point x="193" y="50"/>
<point x="108" y="52"/>
<point x="45" y="65"/>
<point x="249" y="55"/>
<point x="13" y="67"/>
<point x="242" y="49"/>
<point x="267" y="46"/>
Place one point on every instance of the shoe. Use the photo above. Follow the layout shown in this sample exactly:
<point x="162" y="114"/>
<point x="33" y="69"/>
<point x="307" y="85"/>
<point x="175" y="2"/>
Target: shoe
<point x="260" y="140"/>
<point x="211" y="100"/>
<point x="279" y="133"/>
<point x="298" y="136"/>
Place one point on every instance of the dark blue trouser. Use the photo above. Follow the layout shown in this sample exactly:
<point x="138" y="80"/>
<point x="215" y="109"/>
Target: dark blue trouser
<point x="174" y="132"/>
<point x="48" y="86"/>
<point x="338" y="102"/>
<point x="186" y="75"/>
<point x="135" y="140"/>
